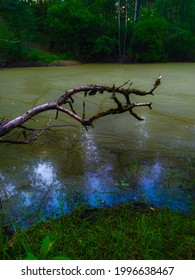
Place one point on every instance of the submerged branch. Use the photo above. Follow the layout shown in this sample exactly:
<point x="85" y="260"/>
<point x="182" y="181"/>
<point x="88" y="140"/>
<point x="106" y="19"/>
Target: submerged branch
<point x="7" y="126"/>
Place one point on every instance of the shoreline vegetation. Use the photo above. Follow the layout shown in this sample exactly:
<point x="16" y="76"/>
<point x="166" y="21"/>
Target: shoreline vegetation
<point x="17" y="64"/>
<point x="119" y="232"/>
<point x="97" y="31"/>
<point x="25" y="64"/>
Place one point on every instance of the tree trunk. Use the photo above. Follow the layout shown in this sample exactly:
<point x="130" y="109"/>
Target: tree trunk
<point x="135" y="12"/>
<point x="149" y="4"/>
<point x="125" y="33"/>
<point x="119" y="29"/>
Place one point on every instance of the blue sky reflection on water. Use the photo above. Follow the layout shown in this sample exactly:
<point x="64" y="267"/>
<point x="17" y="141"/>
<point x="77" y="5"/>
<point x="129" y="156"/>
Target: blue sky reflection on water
<point x="50" y="194"/>
<point x="101" y="183"/>
<point x="155" y="190"/>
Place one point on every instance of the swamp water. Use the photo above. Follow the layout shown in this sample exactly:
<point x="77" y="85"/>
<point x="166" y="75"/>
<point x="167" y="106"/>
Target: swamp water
<point x="120" y="159"/>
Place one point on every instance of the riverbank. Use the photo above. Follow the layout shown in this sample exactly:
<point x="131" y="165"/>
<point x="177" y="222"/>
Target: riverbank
<point x="121" y="232"/>
<point x="15" y="64"/>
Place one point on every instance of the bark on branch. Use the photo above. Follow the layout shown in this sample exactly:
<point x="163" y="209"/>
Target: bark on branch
<point x="27" y="135"/>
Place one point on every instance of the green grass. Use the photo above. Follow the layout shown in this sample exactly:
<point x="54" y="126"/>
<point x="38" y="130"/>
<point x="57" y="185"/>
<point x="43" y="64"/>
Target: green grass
<point x="35" y="54"/>
<point x="122" y="232"/>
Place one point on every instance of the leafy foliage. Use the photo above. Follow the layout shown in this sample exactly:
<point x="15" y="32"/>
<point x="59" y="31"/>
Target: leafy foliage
<point x="46" y="247"/>
<point x="96" y="30"/>
<point x="9" y="46"/>
<point x="149" y="39"/>
<point x="104" y="46"/>
<point x="180" y="44"/>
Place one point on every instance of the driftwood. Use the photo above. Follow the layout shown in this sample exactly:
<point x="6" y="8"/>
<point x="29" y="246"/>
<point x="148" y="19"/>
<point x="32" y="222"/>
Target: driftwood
<point x="27" y="135"/>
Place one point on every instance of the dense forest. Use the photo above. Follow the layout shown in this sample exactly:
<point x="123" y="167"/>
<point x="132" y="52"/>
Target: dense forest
<point x="100" y="30"/>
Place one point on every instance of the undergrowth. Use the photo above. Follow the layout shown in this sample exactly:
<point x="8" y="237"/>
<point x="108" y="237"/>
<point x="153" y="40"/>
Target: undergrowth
<point x="120" y="232"/>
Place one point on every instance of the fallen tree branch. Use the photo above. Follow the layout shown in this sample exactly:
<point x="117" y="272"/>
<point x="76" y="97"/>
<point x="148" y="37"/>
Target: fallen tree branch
<point x="27" y="138"/>
<point x="7" y="126"/>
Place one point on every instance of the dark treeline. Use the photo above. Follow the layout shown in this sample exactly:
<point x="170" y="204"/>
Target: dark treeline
<point x="100" y="30"/>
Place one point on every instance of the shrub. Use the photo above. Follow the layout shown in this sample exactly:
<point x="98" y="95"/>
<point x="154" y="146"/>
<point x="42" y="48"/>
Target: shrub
<point x="149" y="36"/>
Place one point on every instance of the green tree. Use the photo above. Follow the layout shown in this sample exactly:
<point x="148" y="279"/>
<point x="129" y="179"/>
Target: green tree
<point x="105" y="47"/>
<point x="9" y="46"/>
<point x="181" y="36"/>
<point x="180" y="44"/>
<point x="73" y="27"/>
<point x="148" y="42"/>
<point x="101" y="29"/>
<point x="17" y="18"/>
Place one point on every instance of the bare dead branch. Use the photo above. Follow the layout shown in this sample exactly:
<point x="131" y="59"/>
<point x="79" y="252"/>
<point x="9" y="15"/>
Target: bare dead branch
<point x="28" y="138"/>
<point x="83" y="109"/>
<point x="31" y="134"/>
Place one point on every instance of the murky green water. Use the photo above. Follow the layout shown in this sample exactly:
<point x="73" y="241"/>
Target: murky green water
<point x="153" y="159"/>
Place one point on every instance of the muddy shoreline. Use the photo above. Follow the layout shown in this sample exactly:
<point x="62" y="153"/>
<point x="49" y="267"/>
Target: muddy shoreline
<point x="15" y="64"/>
